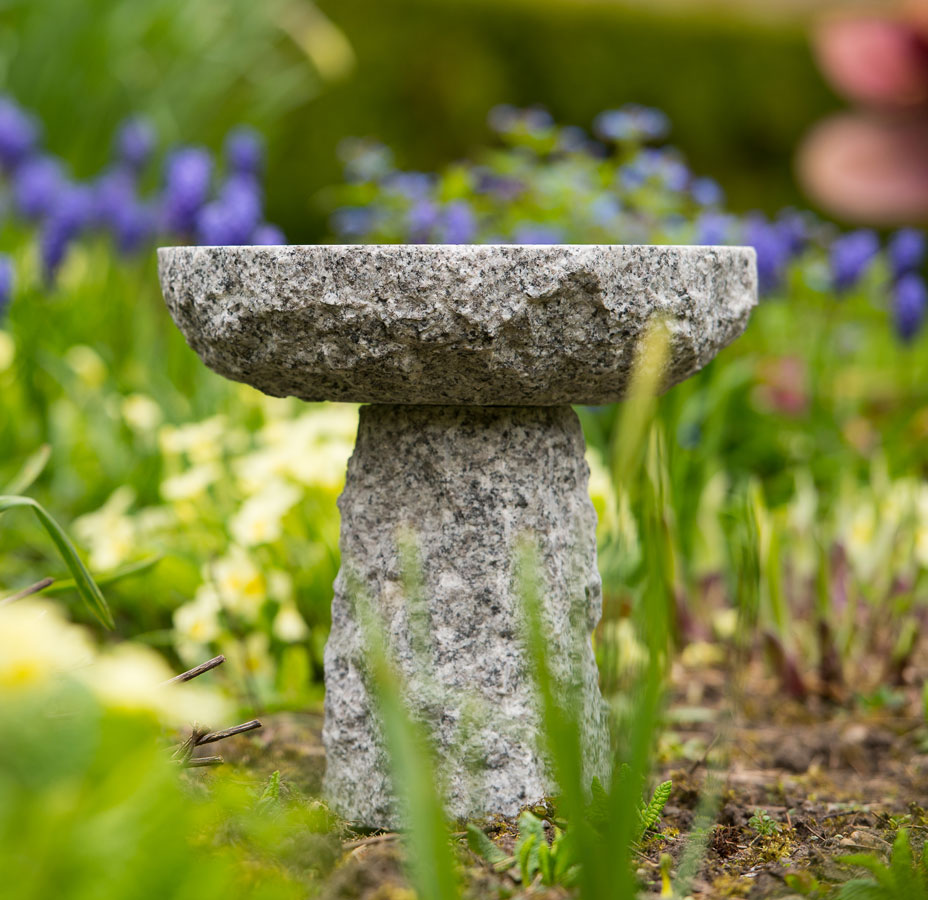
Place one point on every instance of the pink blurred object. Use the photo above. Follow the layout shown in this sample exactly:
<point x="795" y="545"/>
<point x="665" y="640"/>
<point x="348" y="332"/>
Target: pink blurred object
<point x="874" y="60"/>
<point x="868" y="168"/>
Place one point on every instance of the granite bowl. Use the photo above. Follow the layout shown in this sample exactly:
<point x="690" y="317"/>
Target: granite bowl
<point x="510" y="325"/>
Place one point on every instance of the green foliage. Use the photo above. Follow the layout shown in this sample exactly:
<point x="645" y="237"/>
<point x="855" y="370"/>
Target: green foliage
<point x="651" y="811"/>
<point x="903" y="878"/>
<point x="86" y="587"/>
<point x="762" y="824"/>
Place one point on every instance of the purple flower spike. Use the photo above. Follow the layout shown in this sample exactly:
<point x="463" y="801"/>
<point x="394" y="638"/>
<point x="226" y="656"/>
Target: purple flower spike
<point x="19" y="134"/>
<point x="72" y="213"/>
<point x="851" y="255"/>
<point x="459" y="225"/>
<point x="713" y="228"/>
<point x="706" y="192"/>
<point x="6" y="284"/>
<point x="772" y="251"/>
<point x="906" y="251"/>
<point x="538" y="234"/>
<point x="187" y="181"/>
<point x="135" y="143"/>
<point x="421" y="219"/>
<point x="268" y="235"/>
<point x="37" y="183"/>
<point x="244" y="151"/>
<point x="352" y="221"/>
<point x="133" y="226"/>
<point x="910" y="302"/>
<point x="113" y="190"/>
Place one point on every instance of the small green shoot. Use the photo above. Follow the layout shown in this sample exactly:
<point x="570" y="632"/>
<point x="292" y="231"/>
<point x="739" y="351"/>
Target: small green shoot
<point x="903" y="878"/>
<point x="762" y="824"/>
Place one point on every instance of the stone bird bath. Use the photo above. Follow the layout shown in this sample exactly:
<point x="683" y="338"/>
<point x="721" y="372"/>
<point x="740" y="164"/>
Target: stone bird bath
<point x="469" y="357"/>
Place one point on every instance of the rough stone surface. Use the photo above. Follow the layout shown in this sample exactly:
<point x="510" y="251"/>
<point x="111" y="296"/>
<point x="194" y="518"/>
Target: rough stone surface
<point x="482" y="325"/>
<point x="469" y="483"/>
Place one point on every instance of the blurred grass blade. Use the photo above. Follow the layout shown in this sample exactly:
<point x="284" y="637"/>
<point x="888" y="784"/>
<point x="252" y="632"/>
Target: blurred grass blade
<point x="31" y="470"/>
<point x="431" y="863"/>
<point x="127" y="571"/>
<point x="87" y="588"/>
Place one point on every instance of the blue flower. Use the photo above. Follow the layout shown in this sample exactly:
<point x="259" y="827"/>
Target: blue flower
<point x="19" y="134"/>
<point x="906" y="251"/>
<point x="910" y="301"/>
<point x="459" y="224"/>
<point x="135" y="143"/>
<point x="707" y="192"/>
<point x="352" y="221"/>
<point x="113" y="190"/>
<point x="772" y="248"/>
<point x="268" y="235"/>
<point x="244" y="151"/>
<point x="72" y="213"/>
<point x="186" y="187"/>
<point x="794" y="230"/>
<point x="421" y="219"/>
<point x="133" y="225"/>
<point x="6" y="284"/>
<point x="37" y="182"/>
<point x="713" y="228"/>
<point x="631" y="123"/>
<point x="851" y="255"/>
<point x="233" y="217"/>
<point x="538" y="234"/>
<point x="605" y="209"/>
<point x="411" y="185"/>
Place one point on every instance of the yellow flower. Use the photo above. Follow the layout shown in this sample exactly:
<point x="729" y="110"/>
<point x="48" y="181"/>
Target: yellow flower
<point x="7" y="351"/>
<point x="191" y="484"/>
<point x="109" y="533"/>
<point x="260" y="518"/>
<point x="197" y="622"/>
<point x="289" y="625"/>
<point x="87" y="365"/>
<point x="141" y="413"/>
<point x="132" y="677"/>
<point x="239" y="582"/>
<point x="36" y="644"/>
<point x="202" y="441"/>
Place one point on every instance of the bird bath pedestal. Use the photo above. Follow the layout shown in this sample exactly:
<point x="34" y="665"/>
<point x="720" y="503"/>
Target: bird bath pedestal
<point x="469" y="357"/>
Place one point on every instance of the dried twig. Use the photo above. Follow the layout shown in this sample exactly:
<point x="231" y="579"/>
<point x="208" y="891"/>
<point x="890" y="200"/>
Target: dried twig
<point x="214" y="736"/>
<point x="27" y="591"/>
<point x="190" y="674"/>
<point x="201" y="762"/>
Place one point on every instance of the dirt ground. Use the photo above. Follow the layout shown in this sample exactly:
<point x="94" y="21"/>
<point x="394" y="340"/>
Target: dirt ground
<point x="836" y="776"/>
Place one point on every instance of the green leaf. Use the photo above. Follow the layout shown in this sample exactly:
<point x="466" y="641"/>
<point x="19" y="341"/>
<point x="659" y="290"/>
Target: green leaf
<point x="863" y="889"/>
<point x="83" y="581"/>
<point x="123" y="572"/>
<point x="652" y="812"/>
<point x="480" y="843"/>
<point x="528" y="860"/>
<point x="872" y="864"/>
<point x="271" y="792"/>
<point x="546" y="864"/>
<point x="31" y="470"/>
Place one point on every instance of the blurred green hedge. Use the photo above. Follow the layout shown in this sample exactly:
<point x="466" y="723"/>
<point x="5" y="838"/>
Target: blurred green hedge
<point x="425" y="75"/>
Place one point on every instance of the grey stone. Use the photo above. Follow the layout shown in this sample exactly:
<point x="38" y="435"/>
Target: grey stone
<point x="471" y="355"/>
<point x="466" y="485"/>
<point x="482" y="325"/>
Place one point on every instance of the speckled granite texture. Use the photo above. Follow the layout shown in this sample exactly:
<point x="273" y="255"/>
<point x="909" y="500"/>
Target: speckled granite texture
<point x="468" y="482"/>
<point x="480" y="325"/>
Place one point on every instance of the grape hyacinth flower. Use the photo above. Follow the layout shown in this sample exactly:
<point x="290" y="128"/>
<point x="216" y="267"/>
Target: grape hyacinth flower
<point x="186" y="188"/>
<point x="538" y="234"/>
<point x="910" y="302"/>
<point x="772" y="248"/>
<point x="459" y="224"/>
<point x="244" y="151"/>
<point x="19" y="134"/>
<point x="714" y="228"/>
<point x="906" y="251"/>
<point x="6" y="284"/>
<point x="135" y="143"/>
<point x="267" y="235"/>
<point x="421" y="219"/>
<point x="631" y="123"/>
<point x="851" y="255"/>
<point x="133" y="225"/>
<point x="37" y="182"/>
<point x="72" y="213"/>
<point x="352" y="221"/>
<point x="707" y="192"/>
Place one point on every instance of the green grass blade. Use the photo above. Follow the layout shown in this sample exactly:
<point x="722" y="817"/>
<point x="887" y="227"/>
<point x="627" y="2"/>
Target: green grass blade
<point x="83" y="581"/>
<point x="31" y="470"/>
<point x="116" y="575"/>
